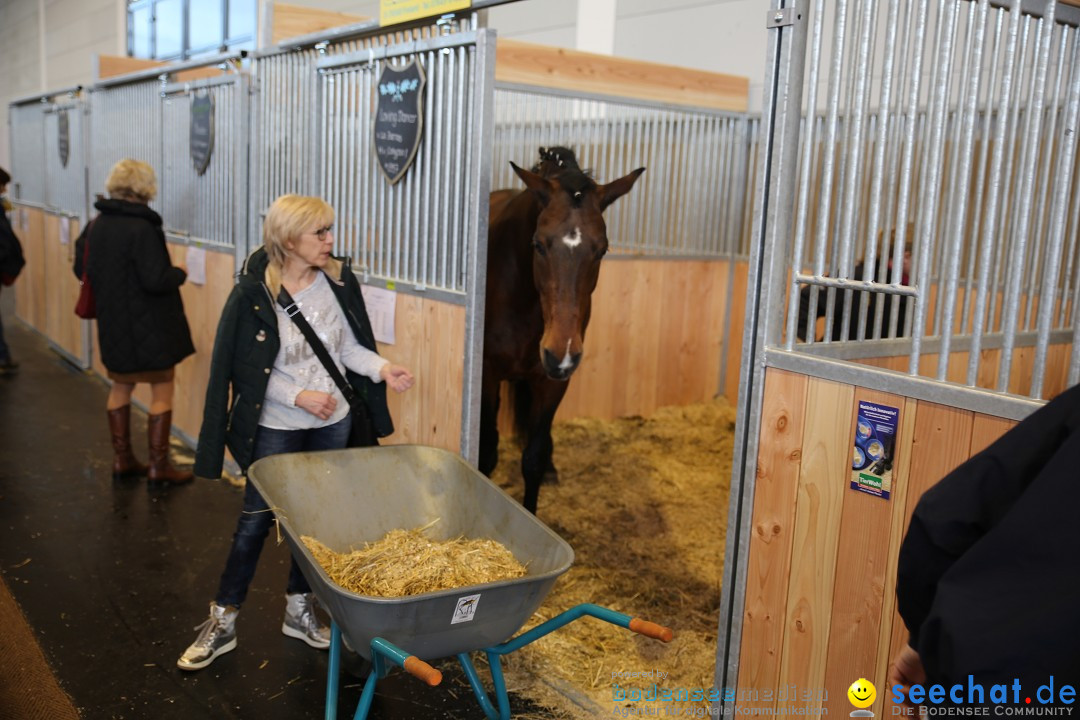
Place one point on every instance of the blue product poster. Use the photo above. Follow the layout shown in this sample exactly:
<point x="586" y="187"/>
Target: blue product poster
<point x="875" y="449"/>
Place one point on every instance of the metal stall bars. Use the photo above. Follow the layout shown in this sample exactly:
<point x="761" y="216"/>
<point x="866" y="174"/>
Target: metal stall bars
<point x="692" y="202"/>
<point x="939" y="120"/>
<point x="207" y="208"/>
<point x="207" y="205"/>
<point x="958" y="137"/>
<point x="425" y="235"/>
<point x="67" y="130"/>
<point x="26" y="132"/>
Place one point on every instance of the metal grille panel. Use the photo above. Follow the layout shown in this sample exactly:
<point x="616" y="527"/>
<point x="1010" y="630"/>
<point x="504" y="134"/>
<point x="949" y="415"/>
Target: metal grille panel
<point x="691" y="201"/>
<point x="28" y="151"/>
<point x="65" y="185"/>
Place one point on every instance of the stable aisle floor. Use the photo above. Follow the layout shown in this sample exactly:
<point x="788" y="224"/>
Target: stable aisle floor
<point x="114" y="575"/>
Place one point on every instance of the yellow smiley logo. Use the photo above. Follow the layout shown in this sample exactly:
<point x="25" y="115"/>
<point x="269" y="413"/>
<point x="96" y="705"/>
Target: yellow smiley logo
<point x="862" y="693"/>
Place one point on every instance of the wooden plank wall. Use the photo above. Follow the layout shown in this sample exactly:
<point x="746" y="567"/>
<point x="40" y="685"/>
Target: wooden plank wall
<point x="62" y="325"/>
<point x="529" y="64"/>
<point x="821" y="577"/>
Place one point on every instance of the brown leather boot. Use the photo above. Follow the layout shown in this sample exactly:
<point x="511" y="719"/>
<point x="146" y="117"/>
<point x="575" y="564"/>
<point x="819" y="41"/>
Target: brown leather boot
<point x="160" y="466"/>
<point x="124" y="462"/>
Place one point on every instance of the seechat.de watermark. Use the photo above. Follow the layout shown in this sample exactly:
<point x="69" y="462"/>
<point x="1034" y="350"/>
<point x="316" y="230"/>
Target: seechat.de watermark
<point x="1052" y="698"/>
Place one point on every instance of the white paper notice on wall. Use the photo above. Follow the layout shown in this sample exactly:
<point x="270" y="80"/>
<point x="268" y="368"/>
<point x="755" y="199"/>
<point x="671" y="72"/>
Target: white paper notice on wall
<point x="196" y="265"/>
<point x="381" y="305"/>
<point x="65" y="231"/>
<point x="24" y="220"/>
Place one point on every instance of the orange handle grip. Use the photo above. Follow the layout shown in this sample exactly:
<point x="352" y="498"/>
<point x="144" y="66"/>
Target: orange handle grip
<point x="418" y="668"/>
<point x="651" y="629"/>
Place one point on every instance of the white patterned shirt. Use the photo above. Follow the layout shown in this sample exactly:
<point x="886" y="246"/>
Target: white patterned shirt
<point x="298" y="368"/>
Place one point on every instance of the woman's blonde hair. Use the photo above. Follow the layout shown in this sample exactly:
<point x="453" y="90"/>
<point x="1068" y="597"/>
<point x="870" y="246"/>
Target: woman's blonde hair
<point x="287" y="219"/>
<point x="132" y="180"/>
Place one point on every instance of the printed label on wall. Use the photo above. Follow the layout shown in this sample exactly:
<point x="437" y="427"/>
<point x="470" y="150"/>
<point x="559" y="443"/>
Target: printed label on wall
<point x="398" y="11"/>
<point x="466" y="609"/>
<point x="874" y="452"/>
<point x="399" y="118"/>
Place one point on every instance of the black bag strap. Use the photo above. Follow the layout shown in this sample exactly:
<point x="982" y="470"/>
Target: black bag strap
<point x="293" y="311"/>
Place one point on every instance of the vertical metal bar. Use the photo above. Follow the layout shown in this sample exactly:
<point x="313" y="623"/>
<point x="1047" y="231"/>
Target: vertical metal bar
<point x="878" y="169"/>
<point x="1055" y="241"/>
<point x="1043" y="190"/>
<point x="1012" y="290"/>
<point x="475" y="277"/>
<point x="802" y="208"/>
<point x="959" y="211"/>
<point x="826" y="185"/>
<point x="931" y="189"/>
<point x="786" y="56"/>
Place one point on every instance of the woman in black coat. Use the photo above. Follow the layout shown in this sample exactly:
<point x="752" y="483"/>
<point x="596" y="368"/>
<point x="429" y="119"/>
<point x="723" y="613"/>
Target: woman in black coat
<point x="142" y="330"/>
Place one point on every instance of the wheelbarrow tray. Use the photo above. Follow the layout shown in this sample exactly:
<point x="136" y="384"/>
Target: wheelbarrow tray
<point x="345" y="498"/>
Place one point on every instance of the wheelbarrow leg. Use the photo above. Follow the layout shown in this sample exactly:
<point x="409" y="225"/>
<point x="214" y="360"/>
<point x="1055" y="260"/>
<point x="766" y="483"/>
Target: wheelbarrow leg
<point x="333" y="679"/>
<point x="503" y="713"/>
<point x="332" y="672"/>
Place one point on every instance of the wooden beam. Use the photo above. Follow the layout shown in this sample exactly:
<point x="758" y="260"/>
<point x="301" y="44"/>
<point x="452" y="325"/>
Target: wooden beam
<point x="529" y="64"/>
<point x="289" y="21"/>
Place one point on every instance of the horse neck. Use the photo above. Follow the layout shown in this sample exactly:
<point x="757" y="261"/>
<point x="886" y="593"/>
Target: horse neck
<point x="522" y="213"/>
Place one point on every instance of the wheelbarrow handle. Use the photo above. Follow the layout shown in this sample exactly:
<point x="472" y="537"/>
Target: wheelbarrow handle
<point x="651" y="629"/>
<point x="418" y="668"/>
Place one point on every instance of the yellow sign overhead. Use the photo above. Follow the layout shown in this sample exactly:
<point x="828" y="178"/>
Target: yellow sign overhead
<point x="392" y="12"/>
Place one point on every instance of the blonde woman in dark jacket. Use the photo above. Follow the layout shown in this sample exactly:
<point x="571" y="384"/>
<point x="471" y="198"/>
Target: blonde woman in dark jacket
<point x="142" y="330"/>
<point x="269" y="394"/>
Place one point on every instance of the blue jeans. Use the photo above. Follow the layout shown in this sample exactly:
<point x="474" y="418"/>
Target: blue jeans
<point x="256" y="518"/>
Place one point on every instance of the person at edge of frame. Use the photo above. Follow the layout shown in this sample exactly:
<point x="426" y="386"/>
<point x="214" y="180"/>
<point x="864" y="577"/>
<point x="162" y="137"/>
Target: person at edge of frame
<point x="988" y="583"/>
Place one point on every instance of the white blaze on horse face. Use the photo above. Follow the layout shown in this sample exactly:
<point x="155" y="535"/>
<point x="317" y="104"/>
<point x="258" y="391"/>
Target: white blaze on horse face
<point x="572" y="241"/>
<point x="567" y="363"/>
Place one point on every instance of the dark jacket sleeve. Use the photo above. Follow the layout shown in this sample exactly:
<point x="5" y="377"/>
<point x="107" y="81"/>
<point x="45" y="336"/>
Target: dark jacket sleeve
<point x="80" y="249"/>
<point x="156" y="272"/>
<point x="11" y="254"/>
<point x="970" y="502"/>
<point x="210" y="452"/>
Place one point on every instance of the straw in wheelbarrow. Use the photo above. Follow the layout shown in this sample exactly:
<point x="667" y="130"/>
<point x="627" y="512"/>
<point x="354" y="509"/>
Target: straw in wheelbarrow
<point x="407" y="562"/>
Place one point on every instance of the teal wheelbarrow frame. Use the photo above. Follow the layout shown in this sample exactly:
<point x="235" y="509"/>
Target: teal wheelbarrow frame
<point x="384" y="653"/>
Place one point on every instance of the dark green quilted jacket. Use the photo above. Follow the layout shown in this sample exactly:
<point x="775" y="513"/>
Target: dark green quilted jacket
<point x="245" y="348"/>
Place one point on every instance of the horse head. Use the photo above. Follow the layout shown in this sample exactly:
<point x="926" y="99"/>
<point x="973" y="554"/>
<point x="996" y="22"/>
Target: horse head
<point x="569" y="242"/>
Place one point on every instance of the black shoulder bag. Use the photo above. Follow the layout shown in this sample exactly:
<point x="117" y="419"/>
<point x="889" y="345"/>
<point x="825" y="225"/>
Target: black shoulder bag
<point x="362" y="432"/>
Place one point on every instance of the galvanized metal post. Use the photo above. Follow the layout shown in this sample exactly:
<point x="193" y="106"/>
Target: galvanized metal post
<point x="775" y="191"/>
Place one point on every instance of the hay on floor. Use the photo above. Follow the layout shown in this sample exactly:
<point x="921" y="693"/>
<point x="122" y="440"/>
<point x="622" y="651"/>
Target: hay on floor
<point x="643" y="502"/>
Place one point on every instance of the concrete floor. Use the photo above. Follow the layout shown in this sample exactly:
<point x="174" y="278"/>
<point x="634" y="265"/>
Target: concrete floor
<point x="114" y="575"/>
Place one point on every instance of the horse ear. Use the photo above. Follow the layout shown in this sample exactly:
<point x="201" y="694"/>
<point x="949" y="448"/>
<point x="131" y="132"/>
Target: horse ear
<point x="540" y="187"/>
<point x="617" y="188"/>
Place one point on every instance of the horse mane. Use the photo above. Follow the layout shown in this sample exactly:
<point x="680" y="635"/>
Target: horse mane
<point x="560" y="164"/>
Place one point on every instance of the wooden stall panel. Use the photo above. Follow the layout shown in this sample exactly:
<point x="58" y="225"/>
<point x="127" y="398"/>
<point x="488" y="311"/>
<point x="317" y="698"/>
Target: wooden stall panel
<point x="826" y="464"/>
<point x="30" y="286"/>
<point x="861" y="569"/>
<point x="654" y="339"/>
<point x="942" y="441"/>
<point x="772" y="532"/>
<point x="430" y="341"/>
<point x="62" y="326"/>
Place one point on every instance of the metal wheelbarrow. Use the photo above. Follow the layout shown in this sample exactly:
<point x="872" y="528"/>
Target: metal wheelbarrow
<point x="348" y="497"/>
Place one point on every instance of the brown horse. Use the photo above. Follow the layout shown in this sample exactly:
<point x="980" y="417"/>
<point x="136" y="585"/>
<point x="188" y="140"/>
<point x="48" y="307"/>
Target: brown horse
<point x="544" y="250"/>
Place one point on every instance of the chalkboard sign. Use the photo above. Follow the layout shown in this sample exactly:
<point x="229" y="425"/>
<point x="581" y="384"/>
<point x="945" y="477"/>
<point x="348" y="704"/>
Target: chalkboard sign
<point x="202" y="131"/>
<point x="63" y="137"/>
<point x="399" y="118"/>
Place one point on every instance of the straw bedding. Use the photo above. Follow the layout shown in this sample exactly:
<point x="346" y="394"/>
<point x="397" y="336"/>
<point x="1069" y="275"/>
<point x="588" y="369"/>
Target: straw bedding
<point x="408" y="562"/>
<point x="643" y="502"/>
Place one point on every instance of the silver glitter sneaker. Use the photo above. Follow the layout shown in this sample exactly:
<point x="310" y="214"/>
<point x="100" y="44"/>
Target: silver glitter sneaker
<point x="217" y="636"/>
<point x="302" y="623"/>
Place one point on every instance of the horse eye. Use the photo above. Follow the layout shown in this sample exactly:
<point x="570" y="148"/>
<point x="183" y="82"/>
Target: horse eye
<point x="539" y="246"/>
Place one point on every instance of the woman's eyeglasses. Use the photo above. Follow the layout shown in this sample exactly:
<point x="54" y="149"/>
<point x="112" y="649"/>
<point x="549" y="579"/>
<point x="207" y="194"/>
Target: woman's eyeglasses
<point x="321" y="232"/>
